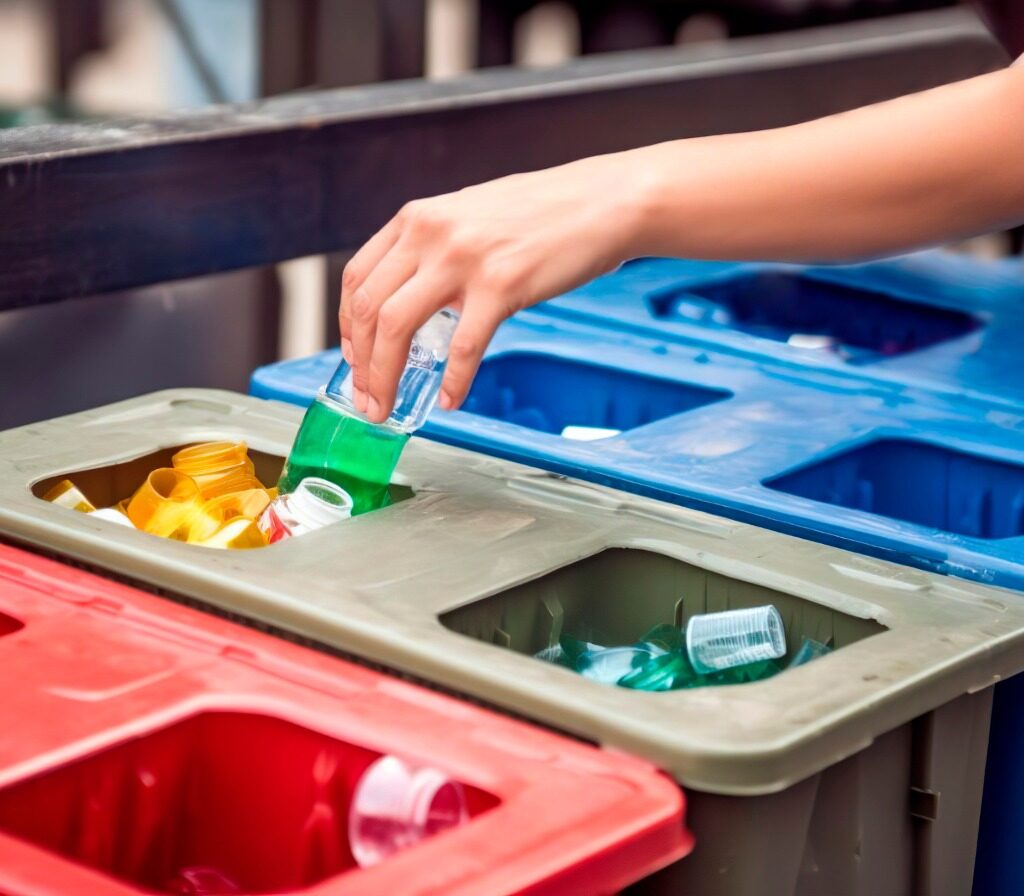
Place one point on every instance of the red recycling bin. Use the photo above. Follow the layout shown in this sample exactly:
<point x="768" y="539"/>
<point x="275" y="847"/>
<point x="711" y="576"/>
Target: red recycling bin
<point x="141" y="738"/>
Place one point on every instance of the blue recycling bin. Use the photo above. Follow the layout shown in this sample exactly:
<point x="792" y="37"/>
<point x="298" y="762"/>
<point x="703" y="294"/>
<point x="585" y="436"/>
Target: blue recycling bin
<point x="922" y="477"/>
<point x="934" y="319"/>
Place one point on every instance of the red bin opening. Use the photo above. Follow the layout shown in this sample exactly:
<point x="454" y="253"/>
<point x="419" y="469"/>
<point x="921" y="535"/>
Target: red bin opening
<point x="221" y="802"/>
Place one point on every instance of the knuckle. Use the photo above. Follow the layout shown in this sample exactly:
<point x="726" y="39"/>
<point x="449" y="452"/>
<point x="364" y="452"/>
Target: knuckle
<point x="350" y="276"/>
<point x="362" y="306"/>
<point x="425" y="219"/>
<point x="391" y="322"/>
<point x="458" y="251"/>
<point x="464" y="350"/>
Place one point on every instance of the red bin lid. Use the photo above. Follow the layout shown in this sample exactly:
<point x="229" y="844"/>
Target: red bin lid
<point x="142" y="738"/>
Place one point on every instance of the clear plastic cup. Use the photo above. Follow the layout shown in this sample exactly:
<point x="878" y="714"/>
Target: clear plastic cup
<point x="717" y="641"/>
<point x="396" y="805"/>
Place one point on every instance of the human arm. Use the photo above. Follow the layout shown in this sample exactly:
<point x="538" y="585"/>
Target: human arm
<point x="919" y="170"/>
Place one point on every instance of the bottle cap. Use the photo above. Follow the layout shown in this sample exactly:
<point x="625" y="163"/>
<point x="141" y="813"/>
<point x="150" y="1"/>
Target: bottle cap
<point x="318" y="502"/>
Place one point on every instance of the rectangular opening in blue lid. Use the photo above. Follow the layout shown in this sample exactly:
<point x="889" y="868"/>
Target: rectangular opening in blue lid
<point x="855" y="324"/>
<point x="916" y="482"/>
<point x="549" y="393"/>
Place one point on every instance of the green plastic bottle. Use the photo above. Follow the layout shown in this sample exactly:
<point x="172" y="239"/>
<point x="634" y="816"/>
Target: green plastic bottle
<point x="352" y="453"/>
<point x="337" y="443"/>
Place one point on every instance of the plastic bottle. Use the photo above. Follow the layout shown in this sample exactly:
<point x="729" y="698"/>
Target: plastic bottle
<point x="396" y="805"/>
<point x="314" y="504"/>
<point x="337" y="443"/>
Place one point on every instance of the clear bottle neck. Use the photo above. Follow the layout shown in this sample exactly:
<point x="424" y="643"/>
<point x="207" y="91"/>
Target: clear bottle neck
<point x="419" y="384"/>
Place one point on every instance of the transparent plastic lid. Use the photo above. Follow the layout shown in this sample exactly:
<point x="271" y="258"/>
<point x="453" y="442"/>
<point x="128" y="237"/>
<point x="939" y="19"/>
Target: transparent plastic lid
<point x="420" y="383"/>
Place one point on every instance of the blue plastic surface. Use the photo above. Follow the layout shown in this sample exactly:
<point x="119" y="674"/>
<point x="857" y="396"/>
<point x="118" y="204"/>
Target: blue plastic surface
<point x="917" y="476"/>
<point x="934" y="319"/>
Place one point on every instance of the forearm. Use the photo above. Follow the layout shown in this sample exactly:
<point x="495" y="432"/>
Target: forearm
<point x="919" y="170"/>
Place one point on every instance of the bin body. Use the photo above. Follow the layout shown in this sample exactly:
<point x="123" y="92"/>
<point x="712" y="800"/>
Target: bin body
<point x="153" y="741"/>
<point x="485" y="561"/>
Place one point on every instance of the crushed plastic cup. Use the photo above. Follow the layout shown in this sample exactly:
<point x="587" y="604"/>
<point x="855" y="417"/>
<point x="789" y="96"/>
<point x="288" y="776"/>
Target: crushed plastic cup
<point x="809" y="650"/>
<point x="718" y="641"/>
<point x="663" y="638"/>
<point x="553" y="654"/>
<point x="609" y="664"/>
<point x="667" y="672"/>
<point x="165" y="504"/>
<point x="397" y="804"/>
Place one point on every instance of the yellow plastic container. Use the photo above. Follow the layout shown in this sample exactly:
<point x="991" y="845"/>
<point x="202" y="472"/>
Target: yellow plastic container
<point x="217" y="467"/>
<point x="167" y="504"/>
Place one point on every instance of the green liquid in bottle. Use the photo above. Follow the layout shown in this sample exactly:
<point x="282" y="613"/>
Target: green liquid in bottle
<point x="358" y="456"/>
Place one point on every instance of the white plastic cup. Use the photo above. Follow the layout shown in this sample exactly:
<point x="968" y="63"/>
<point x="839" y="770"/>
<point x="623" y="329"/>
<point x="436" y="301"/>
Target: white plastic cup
<point x="396" y="805"/>
<point x="717" y="641"/>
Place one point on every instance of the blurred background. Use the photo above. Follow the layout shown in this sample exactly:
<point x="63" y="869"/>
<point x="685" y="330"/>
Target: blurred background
<point x="86" y="59"/>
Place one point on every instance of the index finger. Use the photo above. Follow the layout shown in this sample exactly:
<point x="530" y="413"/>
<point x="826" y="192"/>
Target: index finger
<point x="359" y="267"/>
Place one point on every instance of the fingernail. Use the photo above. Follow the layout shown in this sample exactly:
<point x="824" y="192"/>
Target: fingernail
<point x="445" y="401"/>
<point x="373" y="410"/>
<point x="346" y="350"/>
<point x="359" y="397"/>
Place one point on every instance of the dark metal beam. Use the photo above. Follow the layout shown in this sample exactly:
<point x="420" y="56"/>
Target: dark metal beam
<point x="93" y="208"/>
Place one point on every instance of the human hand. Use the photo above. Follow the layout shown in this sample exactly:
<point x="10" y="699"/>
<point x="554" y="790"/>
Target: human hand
<point x="487" y="251"/>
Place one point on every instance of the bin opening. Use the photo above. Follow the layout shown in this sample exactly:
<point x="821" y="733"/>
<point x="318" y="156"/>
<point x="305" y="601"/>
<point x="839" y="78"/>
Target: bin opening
<point x="619" y="593"/>
<point x="245" y="801"/>
<point x="106" y="486"/>
<point x="9" y="625"/>
<point x="859" y="325"/>
<point x="547" y="393"/>
<point x="916" y="482"/>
